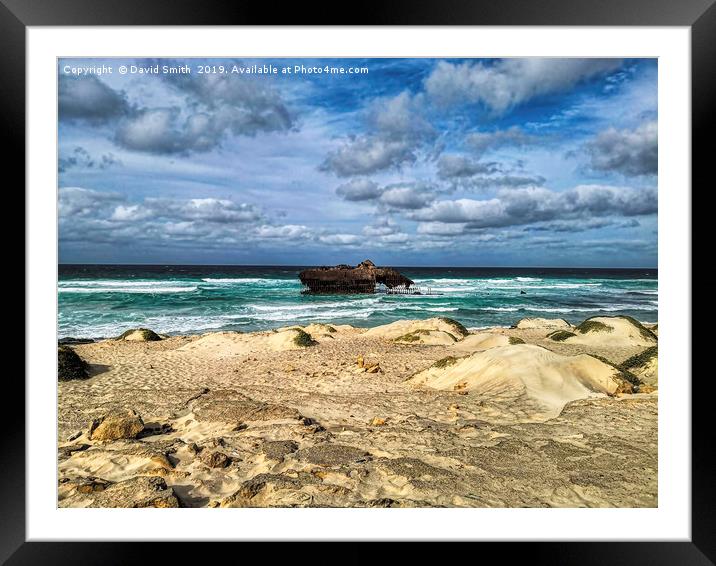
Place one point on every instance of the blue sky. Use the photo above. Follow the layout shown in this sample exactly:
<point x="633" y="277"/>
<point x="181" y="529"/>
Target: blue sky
<point x="444" y="162"/>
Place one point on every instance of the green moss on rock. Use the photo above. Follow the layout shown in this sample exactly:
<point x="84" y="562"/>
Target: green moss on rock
<point x="147" y="335"/>
<point x="303" y="339"/>
<point x="560" y="335"/>
<point x="516" y="340"/>
<point x="69" y="365"/>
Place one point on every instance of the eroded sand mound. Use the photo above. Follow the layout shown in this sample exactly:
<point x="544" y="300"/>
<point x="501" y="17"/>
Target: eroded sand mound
<point x="412" y="330"/>
<point x="543" y="323"/>
<point x="611" y="331"/>
<point x="524" y="370"/>
<point x="482" y="341"/>
<point x="225" y="344"/>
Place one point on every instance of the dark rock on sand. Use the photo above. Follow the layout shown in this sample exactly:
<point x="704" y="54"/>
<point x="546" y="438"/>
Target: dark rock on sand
<point x="214" y="459"/>
<point x="69" y="365"/>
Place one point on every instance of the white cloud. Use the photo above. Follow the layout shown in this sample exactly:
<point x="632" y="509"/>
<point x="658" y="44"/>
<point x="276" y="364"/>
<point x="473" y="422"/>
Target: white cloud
<point x="629" y="152"/>
<point x="359" y="190"/>
<point x="527" y="206"/>
<point x="510" y="82"/>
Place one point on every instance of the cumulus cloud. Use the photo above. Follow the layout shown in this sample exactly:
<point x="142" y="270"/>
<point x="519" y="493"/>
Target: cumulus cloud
<point x="510" y="82"/>
<point x="441" y="228"/>
<point x="396" y="133"/>
<point x="88" y="98"/>
<point x="98" y="215"/>
<point x="341" y="239"/>
<point x="365" y="155"/>
<point x="383" y="227"/>
<point x="482" y="142"/>
<point x="459" y="166"/>
<point x="245" y="105"/>
<point x="406" y="197"/>
<point x="629" y="152"/>
<point x="359" y="190"/>
<point x="291" y="231"/>
<point x="214" y="107"/>
<point x="400" y="117"/>
<point x="531" y="205"/>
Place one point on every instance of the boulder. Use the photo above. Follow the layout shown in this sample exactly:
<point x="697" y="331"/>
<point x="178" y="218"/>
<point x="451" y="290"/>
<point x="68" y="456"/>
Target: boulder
<point x="214" y="459"/>
<point x="69" y="365"/>
<point x="116" y="424"/>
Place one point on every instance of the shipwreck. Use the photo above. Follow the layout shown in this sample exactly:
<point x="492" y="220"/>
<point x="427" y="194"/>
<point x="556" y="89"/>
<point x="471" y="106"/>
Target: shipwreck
<point x="344" y="279"/>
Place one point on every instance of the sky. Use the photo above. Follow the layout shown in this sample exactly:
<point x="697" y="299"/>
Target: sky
<point x="422" y="162"/>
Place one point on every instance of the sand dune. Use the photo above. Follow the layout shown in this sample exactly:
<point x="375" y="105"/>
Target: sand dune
<point x="482" y="341"/>
<point x="524" y="370"/>
<point x="412" y="330"/>
<point x="611" y="331"/>
<point x="228" y="344"/>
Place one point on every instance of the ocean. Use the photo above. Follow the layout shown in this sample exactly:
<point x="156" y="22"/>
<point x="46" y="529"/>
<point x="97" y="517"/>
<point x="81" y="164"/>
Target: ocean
<point x="99" y="301"/>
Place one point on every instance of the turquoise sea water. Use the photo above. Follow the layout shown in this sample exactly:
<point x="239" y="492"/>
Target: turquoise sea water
<point x="101" y="301"/>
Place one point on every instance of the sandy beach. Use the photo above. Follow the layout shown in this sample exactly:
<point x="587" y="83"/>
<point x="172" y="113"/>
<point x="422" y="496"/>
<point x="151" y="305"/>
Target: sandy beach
<point x="417" y="413"/>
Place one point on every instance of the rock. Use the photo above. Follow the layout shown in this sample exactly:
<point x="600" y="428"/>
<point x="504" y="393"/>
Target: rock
<point x="116" y="424"/>
<point x="214" y="459"/>
<point x="377" y="421"/>
<point x="360" y="362"/>
<point x="278" y="449"/>
<point x="65" y="452"/>
<point x="141" y="491"/>
<point x="373" y="368"/>
<point x="139" y="335"/>
<point x="69" y="365"/>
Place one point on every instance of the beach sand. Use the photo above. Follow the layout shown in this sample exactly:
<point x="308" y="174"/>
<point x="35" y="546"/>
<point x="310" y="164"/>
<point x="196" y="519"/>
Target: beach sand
<point x="339" y="416"/>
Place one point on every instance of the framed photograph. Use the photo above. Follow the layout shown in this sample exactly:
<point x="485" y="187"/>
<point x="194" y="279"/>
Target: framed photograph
<point x="409" y="280"/>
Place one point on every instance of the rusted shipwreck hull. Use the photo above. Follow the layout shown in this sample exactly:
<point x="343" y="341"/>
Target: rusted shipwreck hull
<point x="362" y="278"/>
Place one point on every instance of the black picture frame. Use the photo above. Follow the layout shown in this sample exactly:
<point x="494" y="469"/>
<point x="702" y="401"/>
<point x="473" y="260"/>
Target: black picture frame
<point x="698" y="15"/>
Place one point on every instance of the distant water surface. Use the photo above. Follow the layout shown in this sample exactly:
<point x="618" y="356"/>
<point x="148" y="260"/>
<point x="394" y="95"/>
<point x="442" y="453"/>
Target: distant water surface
<point x="104" y="300"/>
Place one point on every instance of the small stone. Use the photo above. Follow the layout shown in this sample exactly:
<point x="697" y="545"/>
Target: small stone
<point x="373" y="368"/>
<point x="360" y="362"/>
<point x="377" y="421"/>
<point x="116" y="424"/>
<point x="214" y="459"/>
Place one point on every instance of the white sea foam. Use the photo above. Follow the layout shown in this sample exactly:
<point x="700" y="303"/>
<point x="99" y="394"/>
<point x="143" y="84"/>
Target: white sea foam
<point x="149" y="290"/>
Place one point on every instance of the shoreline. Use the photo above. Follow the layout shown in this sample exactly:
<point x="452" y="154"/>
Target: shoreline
<point x="70" y="340"/>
